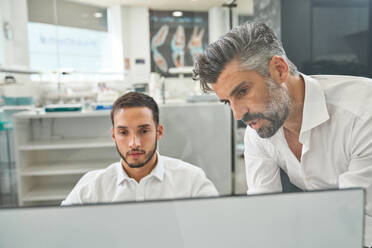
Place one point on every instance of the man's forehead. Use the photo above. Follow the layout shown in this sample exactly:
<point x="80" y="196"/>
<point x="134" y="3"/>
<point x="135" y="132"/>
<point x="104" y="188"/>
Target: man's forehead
<point x="227" y="79"/>
<point x="133" y="116"/>
<point x="229" y="70"/>
<point x="134" y="111"/>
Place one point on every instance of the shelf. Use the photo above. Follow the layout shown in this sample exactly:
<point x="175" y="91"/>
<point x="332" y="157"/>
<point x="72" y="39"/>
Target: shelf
<point x="40" y="113"/>
<point x="47" y="193"/>
<point x="45" y="177"/>
<point x="64" y="168"/>
<point x="67" y="144"/>
<point x="20" y="71"/>
<point x="23" y="107"/>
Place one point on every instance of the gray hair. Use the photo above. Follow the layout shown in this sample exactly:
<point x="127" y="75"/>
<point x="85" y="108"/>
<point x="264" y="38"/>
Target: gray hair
<point x="253" y="44"/>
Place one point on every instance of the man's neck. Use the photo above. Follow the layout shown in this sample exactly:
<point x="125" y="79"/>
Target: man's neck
<point x="296" y="89"/>
<point x="139" y="173"/>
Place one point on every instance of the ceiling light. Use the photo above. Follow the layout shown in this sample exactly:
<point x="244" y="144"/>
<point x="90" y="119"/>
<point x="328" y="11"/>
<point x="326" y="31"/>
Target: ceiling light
<point x="177" y="13"/>
<point x="98" y="15"/>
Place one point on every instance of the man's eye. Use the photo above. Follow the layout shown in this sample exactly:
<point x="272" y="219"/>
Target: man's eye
<point x="124" y="132"/>
<point x="144" y="131"/>
<point x="226" y="102"/>
<point x="242" y="92"/>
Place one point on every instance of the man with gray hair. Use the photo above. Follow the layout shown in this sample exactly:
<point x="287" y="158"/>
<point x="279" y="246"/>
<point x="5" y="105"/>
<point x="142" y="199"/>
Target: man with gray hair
<point x="318" y="129"/>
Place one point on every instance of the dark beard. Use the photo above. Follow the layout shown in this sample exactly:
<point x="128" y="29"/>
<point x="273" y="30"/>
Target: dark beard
<point x="141" y="164"/>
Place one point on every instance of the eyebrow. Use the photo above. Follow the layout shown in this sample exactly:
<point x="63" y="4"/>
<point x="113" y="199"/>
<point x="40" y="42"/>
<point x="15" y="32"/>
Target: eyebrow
<point x="140" y="126"/>
<point x="121" y="127"/>
<point x="144" y="125"/>
<point x="239" y="87"/>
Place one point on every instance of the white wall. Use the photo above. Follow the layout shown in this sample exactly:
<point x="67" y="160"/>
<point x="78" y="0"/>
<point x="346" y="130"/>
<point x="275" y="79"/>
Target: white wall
<point x="137" y="42"/>
<point x="1" y="37"/>
<point x="130" y="32"/>
<point x="115" y="30"/>
<point x="218" y="22"/>
<point x="14" y="52"/>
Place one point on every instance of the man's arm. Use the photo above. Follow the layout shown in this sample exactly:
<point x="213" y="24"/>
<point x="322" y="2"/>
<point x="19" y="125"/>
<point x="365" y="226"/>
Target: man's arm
<point x="82" y="191"/>
<point x="359" y="172"/>
<point x="73" y="198"/>
<point x="205" y="187"/>
<point x="262" y="172"/>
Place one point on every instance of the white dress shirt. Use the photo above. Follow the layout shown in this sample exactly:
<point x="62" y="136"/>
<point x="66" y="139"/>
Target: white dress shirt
<point x="171" y="178"/>
<point x="336" y="138"/>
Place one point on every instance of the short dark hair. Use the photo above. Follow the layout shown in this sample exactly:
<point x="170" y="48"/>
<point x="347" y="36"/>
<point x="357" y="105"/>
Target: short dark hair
<point x="136" y="99"/>
<point x="252" y="44"/>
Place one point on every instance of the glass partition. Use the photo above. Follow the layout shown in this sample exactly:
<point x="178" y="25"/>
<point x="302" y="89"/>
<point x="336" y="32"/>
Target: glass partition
<point x="63" y="64"/>
<point x="66" y="130"/>
<point x="67" y="36"/>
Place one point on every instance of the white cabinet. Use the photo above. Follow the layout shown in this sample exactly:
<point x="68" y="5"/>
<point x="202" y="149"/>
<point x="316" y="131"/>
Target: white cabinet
<point x="53" y="150"/>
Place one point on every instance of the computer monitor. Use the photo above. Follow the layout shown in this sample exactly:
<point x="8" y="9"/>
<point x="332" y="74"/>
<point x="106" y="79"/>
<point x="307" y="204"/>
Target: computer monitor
<point x="307" y="219"/>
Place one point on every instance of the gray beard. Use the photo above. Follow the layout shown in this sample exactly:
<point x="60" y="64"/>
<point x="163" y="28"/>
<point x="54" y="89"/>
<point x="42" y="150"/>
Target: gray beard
<point x="276" y="110"/>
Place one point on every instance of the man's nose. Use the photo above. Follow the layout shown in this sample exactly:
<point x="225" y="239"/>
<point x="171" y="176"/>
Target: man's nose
<point x="237" y="110"/>
<point x="134" y="142"/>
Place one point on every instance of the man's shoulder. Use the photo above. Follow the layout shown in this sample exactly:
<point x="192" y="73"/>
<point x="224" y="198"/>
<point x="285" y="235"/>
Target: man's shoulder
<point x="334" y="80"/>
<point x="186" y="180"/>
<point x="95" y="177"/>
<point x="349" y="93"/>
<point x="346" y="86"/>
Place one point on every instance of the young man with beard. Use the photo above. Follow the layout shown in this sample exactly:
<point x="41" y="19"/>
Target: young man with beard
<point x="318" y="129"/>
<point x="142" y="174"/>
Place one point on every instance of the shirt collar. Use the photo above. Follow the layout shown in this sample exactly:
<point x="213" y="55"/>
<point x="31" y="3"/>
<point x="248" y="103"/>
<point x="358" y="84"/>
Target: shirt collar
<point x="315" y="110"/>
<point x="121" y="173"/>
<point x="157" y="172"/>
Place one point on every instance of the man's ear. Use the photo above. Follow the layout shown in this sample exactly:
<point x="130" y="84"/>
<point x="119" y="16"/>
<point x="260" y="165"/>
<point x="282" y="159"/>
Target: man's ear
<point x="160" y="131"/>
<point x="112" y="134"/>
<point x="278" y="69"/>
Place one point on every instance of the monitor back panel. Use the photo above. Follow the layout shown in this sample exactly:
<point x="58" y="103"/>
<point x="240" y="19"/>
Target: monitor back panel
<point x="311" y="219"/>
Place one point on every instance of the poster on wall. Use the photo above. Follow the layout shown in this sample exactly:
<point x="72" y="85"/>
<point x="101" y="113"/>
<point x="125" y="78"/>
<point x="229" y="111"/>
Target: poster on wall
<point x="175" y="41"/>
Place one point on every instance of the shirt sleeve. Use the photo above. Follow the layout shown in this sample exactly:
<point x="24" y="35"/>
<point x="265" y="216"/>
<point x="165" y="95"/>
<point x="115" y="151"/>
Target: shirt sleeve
<point x="359" y="172"/>
<point x="73" y="197"/>
<point x="82" y="192"/>
<point x="205" y="187"/>
<point x="262" y="172"/>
